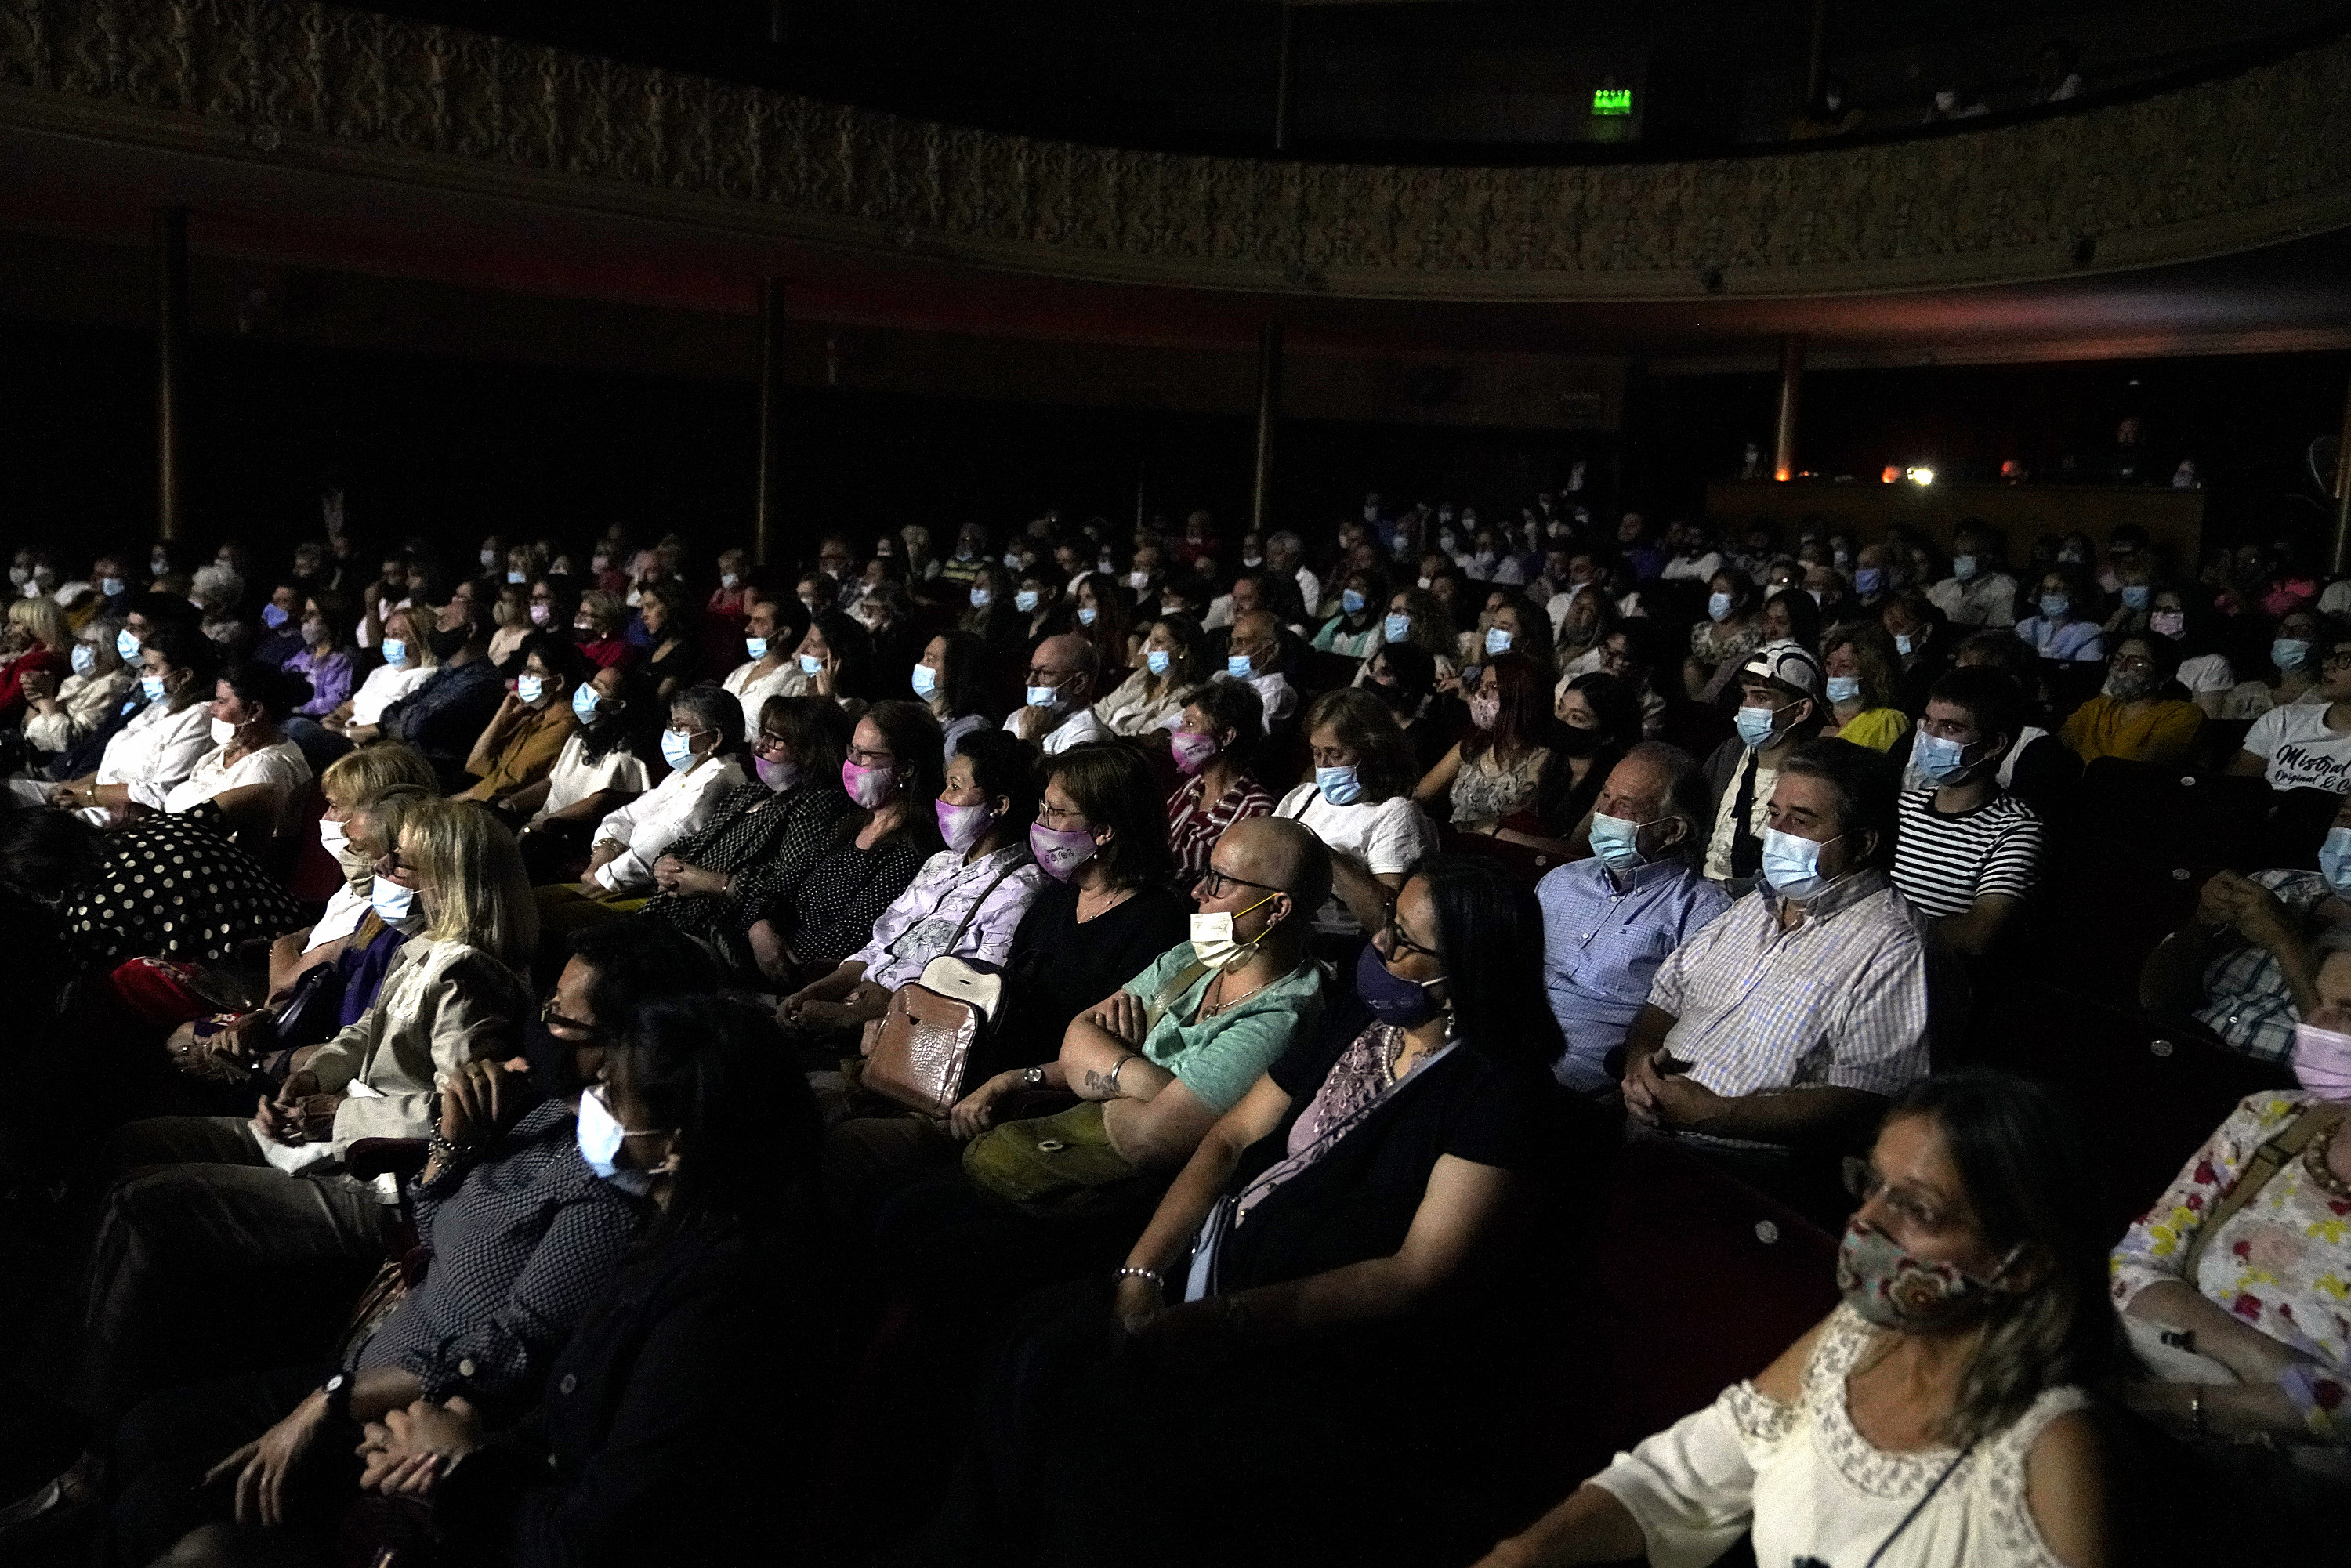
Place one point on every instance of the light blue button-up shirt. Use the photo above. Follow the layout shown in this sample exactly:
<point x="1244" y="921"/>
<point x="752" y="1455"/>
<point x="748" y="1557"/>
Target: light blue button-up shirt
<point x="1603" y="943"/>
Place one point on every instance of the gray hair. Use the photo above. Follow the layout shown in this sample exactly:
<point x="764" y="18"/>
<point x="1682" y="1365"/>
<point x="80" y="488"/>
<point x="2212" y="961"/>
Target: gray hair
<point x="101" y="632"/>
<point x="1285" y="539"/>
<point x="1688" y="799"/>
<point x="713" y="706"/>
<point x="216" y="584"/>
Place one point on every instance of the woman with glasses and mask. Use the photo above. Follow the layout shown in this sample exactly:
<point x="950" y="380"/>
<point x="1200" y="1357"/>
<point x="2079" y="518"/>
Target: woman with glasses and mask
<point x="1348" y="1240"/>
<point x="2141" y="717"/>
<point x="892" y="775"/>
<point x="763" y="835"/>
<point x="1937" y="1419"/>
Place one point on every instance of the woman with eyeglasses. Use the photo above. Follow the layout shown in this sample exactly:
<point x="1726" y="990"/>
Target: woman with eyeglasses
<point x="762" y="836"/>
<point x="892" y="775"/>
<point x="2141" y="715"/>
<point x="1347" y="1241"/>
<point x="515" y="752"/>
<point x="1938" y="1417"/>
<point x="702" y="748"/>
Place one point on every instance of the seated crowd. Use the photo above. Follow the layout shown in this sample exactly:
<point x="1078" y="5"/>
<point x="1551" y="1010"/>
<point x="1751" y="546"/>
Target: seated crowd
<point x="586" y="1054"/>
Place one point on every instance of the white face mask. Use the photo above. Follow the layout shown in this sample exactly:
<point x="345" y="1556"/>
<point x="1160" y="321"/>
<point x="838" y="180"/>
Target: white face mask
<point x="223" y="732"/>
<point x="599" y="1136"/>
<point x="1213" y="942"/>
<point x="394" y="904"/>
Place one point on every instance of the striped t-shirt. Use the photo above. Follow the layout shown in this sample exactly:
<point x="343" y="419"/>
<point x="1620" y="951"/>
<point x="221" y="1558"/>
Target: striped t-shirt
<point x="1943" y="864"/>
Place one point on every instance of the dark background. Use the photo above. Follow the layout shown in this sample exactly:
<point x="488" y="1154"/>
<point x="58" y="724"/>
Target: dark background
<point x="452" y="450"/>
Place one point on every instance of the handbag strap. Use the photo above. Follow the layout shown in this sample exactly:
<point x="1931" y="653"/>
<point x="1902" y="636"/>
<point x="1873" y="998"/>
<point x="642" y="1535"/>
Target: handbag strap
<point x="969" y="915"/>
<point x="2268" y="1160"/>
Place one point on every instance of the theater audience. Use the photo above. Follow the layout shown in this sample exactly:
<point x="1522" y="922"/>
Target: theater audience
<point x="1864" y="696"/>
<point x="1776" y="1034"/>
<point x="444" y="717"/>
<point x="772" y="631"/>
<point x="1779" y="710"/>
<point x="1611" y="919"/>
<point x="2244" y="966"/>
<point x="952" y="678"/>
<point x="1360" y="806"/>
<point x="2137" y="717"/>
<point x="1059" y="712"/>
<point x="59" y="714"/>
<point x="1215" y="740"/>
<point x="1969" y="852"/>
<point x="1939" y="1414"/>
<point x="965" y="900"/>
<point x="406" y="648"/>
<point x="1175" y="660"/>
<point x="892" y="775"/>
<point x="2306" y="744"/>
<point x="598" y="771"/>
<point x="1512" y="761"/>
<point x="514" y="753"/>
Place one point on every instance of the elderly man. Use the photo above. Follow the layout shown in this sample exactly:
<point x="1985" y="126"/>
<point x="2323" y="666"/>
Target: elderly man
<point x="1610" y="921"/>
<point x="1969" y="851"/>
<point x="1254" y="656"/>
<point x="1285" y="551"/>
<point x="1780" y="708"/>
<point x="1062" y="675"/>
<point x="1781" y="1029"/>
<point x="2246" y="966"/>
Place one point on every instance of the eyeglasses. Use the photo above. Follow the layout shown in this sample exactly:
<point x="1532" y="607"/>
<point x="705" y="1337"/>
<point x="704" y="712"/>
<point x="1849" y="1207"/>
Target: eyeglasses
<point x="769" y="741"/>
<point x="1863" y="1181"/>
<point x="1217" y="883"/>
<point x="2340" y="656"/>
<point x="392" y="862"/>
<point x="553" y="1019"/>
<point x="1061" y="816"/>
<point x="1399" y="944"/>
<point x="864" y="758"/>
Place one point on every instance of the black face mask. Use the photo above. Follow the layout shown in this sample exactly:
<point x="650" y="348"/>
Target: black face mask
<point x="1576" y="742"/>
<point x="447" y="644"/>
<point x="1394" y="697"/>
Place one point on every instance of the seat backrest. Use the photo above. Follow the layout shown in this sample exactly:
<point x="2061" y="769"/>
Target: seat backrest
<point x="1324" y="671"/>
<point x="313" y="875"/>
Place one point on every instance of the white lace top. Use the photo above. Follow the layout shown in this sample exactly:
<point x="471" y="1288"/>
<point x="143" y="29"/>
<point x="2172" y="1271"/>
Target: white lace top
<point x="1809" y="1485"/>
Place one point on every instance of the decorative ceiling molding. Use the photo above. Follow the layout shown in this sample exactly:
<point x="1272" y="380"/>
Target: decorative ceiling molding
<point x="2204" y="170"/>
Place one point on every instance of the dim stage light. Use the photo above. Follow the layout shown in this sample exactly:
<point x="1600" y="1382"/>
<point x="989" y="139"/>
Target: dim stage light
<point x="1891" y="473"/>
<point x="1922" y="475"/>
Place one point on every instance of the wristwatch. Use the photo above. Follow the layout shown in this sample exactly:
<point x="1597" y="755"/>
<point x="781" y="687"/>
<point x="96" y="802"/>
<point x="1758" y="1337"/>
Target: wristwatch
<point x="1032" y="1078"/>
<point x="338" y="1390"/>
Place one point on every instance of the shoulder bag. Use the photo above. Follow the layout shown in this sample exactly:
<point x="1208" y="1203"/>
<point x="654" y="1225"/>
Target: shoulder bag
<point x="920" y="1047"/>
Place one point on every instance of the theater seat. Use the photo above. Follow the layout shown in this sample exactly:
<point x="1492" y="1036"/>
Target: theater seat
<point x="314" y="874"/>
<point x="1697" y="1280"/>
<point x="1321" y="671"/>
<point x="1525" y="862"/>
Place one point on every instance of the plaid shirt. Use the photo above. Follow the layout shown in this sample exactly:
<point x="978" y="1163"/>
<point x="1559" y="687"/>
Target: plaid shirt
<point x="1840" y="1000"/>
<point x="2247" y="1001"/>
<point x="523" y="1244"/>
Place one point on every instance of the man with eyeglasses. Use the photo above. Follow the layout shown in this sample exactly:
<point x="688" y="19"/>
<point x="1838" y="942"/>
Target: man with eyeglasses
<point x="1062" y="674"/>
<point x="2305" y="745"/>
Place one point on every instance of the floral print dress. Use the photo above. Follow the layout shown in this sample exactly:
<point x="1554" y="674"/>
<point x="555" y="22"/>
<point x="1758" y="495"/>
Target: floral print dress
<point x="2281" y="1263"/>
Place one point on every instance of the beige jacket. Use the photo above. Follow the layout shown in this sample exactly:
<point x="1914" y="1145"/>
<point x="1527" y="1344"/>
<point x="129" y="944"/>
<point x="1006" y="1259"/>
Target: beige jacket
<point x="442" y="1004"/>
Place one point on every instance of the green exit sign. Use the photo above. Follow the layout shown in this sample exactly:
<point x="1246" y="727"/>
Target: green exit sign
<point x="1612" y="100"/>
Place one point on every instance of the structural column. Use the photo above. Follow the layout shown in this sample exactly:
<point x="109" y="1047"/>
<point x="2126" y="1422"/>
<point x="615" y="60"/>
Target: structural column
<point x="768" y="504"/>
<point x="1284" y="73"/>
<point x="171" y="363"/>
<point x="2343" y="492"/>
<point x="1792" y="385"/>
<point x="1268" y="409"/>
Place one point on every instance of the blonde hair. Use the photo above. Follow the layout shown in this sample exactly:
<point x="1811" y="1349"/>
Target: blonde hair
<point x="481" y="895"/>
<point x="371" y="769"/>
<point x="387" y="811"/>
<point x="415" y="621"/>
<point x="46" y="619"/>
<point x="605" y="610"/>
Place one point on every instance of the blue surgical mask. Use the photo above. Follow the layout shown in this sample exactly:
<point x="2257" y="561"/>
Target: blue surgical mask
<point x="1904" y="645"/>
<point x="1843" y="688"/>
<point x="1940" y="759"/>
<point x="926" y="681"/>
<point x="390" y="900"/>
<point x="1756" y="724"/>
<point x="517" y="577"/>
<point x="85" y="658"/>
<point x="1791" y="866"/>
<point x="2053" y="606"/>
<point x="1025" y="601"/>
<point x="530" y="688"/>
<point x="1498" y="641"/>
<point x="811" y="664"/>
<point x="1717" y="606"/>
<point x="1087" y="614"/>
<point x="980" y="598"/>
<point x="756" y="647"/>
<point x="274" y="615"/>
<point x="154" y="686"/>
<point x="110" y="586"/>
<point x="1351" y="601"/>
<point x="1869" y="579"/>
<point x="126" y="647"/>
<point x="1240" y="667"/>
<point x="1397" y="628"/>
<point x="677" y="747"/>
<point x="1963" y="566"/>
<point x="583" y="702"/>
<point x="2334" y="859"/>
<point x="1158" y="661"/>
<point x="2136" y="595"/>
<point x="2289" y="653"/>
<point x="393" y="650"/>
<point x="1617" y="842"/>
<point x="1044" y="696"/>
<point x="1339" y="785"/>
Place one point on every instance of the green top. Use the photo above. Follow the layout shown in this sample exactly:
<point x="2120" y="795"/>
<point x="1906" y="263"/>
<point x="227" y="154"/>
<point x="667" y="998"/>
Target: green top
<point x="1877" y="728"/>
<point x="1218" y="1059"/>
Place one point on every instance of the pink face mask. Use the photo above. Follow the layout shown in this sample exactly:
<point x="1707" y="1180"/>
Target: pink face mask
<point x="776" y="775"/>
<point x="868" y="787"/>
<point x="1192" y="751"/>
<point x="2322" y="1061"/>
<point x="1061" y="850"/>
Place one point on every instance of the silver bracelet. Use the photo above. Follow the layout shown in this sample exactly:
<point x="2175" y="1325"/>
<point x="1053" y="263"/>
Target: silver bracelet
<point x="1116" y="1071"/>
<point x="1152" y="1275"/>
